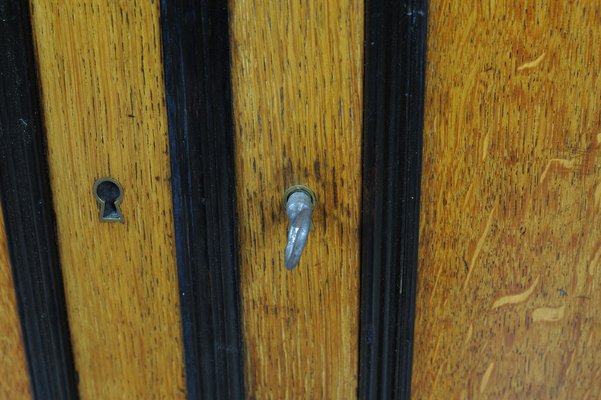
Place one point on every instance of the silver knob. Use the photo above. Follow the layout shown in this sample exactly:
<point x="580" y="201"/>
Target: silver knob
<point x="299" y="208"/>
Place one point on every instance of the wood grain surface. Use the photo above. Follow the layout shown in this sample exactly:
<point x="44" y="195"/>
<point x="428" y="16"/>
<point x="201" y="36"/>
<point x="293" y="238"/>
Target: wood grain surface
<point x="508" y="302"/>
<point x="102" y="90"/>
<point x="14" y="378"/>
<point x="297" y="89"/>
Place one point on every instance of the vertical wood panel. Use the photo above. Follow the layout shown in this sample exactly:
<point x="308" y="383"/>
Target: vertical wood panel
<point x="14" y="378"/>
<point x="508" y="301"/>
<point x="297" y="89"/>
<point x="102" y="89"/>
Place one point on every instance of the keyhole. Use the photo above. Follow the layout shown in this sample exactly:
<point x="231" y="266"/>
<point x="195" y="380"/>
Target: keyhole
<point x="109" y="194"/>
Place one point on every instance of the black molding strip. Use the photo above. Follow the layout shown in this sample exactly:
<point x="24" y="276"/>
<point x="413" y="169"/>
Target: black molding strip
<point x="28" y="213"/>
<point x="395" y="48"/>
<point x="196" y="57"/>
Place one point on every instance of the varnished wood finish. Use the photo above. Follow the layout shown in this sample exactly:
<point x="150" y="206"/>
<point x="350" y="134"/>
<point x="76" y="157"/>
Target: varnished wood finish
<point x="508" y="302"/>
<point x="297" y="90"/>
<point x="103" y="97"/>
<point x="14" y="382"/>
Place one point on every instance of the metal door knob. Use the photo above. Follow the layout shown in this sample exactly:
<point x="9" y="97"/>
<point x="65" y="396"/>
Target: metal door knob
<point x="299" y="208"/>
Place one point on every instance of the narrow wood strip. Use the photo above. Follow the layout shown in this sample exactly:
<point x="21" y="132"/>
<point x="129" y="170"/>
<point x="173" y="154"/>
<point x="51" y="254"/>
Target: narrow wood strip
<point x="13" y="370"/>
<point x="30" y="224"/>
<point x="101" y="70"/>
<point x="197" y="75"/>
<point x="394" y="97"/>
<point x="297" y="90"/>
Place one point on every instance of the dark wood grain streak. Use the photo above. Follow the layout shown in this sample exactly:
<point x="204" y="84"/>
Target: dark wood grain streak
<point x="197" y="75"/>
<point x="395" y="48"/>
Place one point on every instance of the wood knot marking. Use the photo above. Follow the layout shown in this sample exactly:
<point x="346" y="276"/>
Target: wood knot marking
<point x="562" y="164"/>
<point x="486" y="377"/>
<point x="548" y="314"/>
<point x="479" y="246"/>
<point x="516" y="298"/>
<point x="532" y="64"/>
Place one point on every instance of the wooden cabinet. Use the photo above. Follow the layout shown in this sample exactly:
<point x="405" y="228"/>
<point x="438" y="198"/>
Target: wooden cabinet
<point x="472" y="274"/>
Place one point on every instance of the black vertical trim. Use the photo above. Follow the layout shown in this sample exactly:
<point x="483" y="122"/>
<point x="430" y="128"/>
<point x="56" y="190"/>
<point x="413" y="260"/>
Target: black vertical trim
<point x="28" y="212"/>
<point x="395" y="47"/>
<point x="197" y="76"/>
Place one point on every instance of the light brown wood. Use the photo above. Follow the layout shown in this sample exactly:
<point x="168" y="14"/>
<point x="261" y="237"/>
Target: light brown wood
<point x="101" y="75"/>
<point x="508" y="302"/>
<point x="297" y="89"/>
<point x="14" y="377"/>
